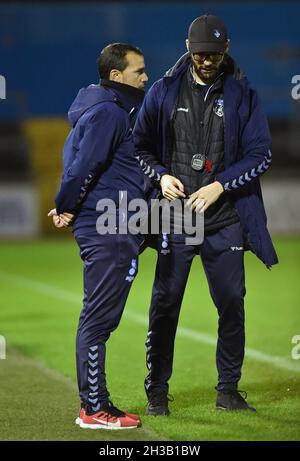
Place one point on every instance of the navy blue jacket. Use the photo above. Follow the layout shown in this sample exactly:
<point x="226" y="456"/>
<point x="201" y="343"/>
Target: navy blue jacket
<point x="247" y="142"/>
<point x="98" y="156"/>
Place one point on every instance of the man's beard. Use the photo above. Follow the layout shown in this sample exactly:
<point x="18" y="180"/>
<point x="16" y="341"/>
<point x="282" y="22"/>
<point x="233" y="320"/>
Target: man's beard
<point x="206" y="77"/>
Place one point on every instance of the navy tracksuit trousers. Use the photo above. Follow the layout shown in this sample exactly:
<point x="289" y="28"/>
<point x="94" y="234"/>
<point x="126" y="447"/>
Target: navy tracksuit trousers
<point x="110" y="265"/>
<point x="222" y="256"/>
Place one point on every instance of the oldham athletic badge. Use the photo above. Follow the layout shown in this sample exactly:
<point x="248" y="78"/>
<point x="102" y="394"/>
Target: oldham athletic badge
<point x="219" y="107"/>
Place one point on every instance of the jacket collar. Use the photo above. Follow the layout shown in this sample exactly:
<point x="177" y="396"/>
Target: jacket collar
<point x="127" y="96"/>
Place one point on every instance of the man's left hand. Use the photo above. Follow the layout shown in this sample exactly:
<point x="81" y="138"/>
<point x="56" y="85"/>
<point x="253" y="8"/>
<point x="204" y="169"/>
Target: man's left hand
<point x="62" y="220"/>
<point x="200" y="200"/>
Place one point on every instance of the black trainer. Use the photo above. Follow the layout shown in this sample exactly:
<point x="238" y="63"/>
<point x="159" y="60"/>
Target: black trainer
<point x="230" y="400"/>
<point x="158" y="401"/>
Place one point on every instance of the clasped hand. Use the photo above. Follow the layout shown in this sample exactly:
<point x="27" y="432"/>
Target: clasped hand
<point x="172" y="189"/>
<point x="62" y="220"/>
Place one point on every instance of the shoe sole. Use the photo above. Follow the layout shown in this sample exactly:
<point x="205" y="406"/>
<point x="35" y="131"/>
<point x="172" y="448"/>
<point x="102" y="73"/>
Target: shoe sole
<point x="235" y="409"/>
<point x="80" y="423"/>
<point x="150" y="413"/>
<point x="109" y="428"/>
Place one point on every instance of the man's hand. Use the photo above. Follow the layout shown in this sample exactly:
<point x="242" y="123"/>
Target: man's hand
<point x="62" y="220"/>
<point x="171" y="187"/>
<point x="204" y="197"/>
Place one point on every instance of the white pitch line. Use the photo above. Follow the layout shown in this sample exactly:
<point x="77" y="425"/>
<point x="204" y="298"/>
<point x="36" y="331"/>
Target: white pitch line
<point x="279" y="362"/>
<point x="65" y="295"/>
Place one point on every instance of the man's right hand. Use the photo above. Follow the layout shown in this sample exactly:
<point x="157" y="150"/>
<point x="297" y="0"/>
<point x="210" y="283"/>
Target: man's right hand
<point x="171" y="187"/>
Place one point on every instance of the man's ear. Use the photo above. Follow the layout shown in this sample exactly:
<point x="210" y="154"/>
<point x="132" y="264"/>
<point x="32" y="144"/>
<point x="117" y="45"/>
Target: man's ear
<point x="187" y="44"/>
<point x="115" y="75"/>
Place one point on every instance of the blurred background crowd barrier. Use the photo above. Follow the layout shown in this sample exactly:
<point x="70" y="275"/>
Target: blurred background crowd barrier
<point x="48" y="51"/>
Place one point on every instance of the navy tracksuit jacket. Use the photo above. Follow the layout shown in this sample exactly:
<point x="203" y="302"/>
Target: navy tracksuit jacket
<point x="246" y="156"/>
<point x="98" y="162"/>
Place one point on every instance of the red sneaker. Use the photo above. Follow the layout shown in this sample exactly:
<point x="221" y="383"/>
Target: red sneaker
<point x="81" y="414"/>
<point x="78" y="420"/>
<point x="109" y="417"/>
<point x="132" y="416"/>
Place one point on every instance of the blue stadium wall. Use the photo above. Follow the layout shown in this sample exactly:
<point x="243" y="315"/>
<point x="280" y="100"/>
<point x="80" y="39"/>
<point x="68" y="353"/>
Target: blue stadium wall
<point x="48" y="51"/>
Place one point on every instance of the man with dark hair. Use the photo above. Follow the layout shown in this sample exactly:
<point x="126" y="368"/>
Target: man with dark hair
<point x="114" y="57"/>
<point x="98" y="162"/>
<point x="202" y="134"/>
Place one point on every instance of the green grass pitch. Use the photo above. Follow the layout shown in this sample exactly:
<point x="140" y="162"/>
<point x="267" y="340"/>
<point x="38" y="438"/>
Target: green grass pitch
<point x="41" y="292"/>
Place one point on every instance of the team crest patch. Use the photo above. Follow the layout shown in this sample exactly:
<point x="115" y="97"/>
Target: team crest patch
<point x="165" y="245"/>
<point x="132" y="271"/>
<point x="219" y="107"/>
